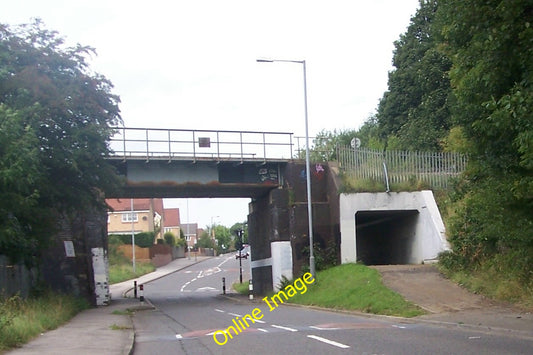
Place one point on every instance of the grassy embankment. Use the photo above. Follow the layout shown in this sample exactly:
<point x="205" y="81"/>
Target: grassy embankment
<point x="120" y="267"/>
<point x="21" y="320"/>
<point x="501" y="272"/>
<point x="353" y="287"/>
<point x="494" y="279"/>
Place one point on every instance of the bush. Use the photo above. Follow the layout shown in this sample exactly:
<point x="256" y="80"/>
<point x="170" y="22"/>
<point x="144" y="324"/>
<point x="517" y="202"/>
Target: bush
<point x="143" y="239"/>
<point x="115" y="239"/>
<point x="170" y="239"/>
<point x="324" y="257"/>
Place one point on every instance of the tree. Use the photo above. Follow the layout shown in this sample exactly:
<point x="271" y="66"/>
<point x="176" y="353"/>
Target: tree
<point x="491" y="44"/>
<point x="223" y="237"/>
<point x="414" y="112"/>
<point x="170" y="239"/>
<point x="205" y="241"/>
<point x="492" y="75"/>
<point x="59" y="115"/>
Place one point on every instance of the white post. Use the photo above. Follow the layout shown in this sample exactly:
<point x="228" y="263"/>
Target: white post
<point x="132" y="236"/>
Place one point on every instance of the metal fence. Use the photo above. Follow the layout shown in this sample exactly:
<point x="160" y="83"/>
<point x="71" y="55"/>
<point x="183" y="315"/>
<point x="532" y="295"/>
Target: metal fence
<point x="435" y="169"/>
<point x="176" y="144"/>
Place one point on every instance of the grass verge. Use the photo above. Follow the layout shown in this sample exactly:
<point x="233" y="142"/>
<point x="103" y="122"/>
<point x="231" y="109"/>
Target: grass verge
<point x="494" y="280"/>
<point x="241" y="288"/>
<point x="355" y="287"/>
<point x="21" y="320"/>
<point x="123" y="272"/>
<point x="121" y="269"/>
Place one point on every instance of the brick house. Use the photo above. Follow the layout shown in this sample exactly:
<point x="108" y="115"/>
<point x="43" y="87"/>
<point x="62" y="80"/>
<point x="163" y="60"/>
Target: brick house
<point x="147" y="216"/>
<point x="172" y="221"/>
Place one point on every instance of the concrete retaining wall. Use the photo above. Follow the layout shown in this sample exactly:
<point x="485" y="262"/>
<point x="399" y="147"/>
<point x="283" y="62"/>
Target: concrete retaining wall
<point x="419" y="236"/>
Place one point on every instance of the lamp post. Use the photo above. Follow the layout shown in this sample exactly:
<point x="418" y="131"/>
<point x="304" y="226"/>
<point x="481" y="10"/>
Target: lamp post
<point x="307" y="164"/>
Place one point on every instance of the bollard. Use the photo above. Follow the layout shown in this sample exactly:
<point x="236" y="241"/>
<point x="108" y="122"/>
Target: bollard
<point x="251" y="289"/>
<point x="141" y="291"/>
<point x="224" y="285"/>
<point x="134" y="289"/>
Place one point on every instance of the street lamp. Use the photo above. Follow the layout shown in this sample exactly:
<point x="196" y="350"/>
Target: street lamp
<point x="307" y="164"/>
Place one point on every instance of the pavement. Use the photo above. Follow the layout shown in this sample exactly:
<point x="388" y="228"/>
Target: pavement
<point x="109" y="329"/>
<point x="105" y="329"/>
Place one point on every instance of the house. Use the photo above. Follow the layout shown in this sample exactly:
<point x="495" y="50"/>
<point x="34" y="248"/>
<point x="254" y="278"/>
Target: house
<point x="190" y="230"/>
<point x="147" y="216"/>
<point x="172" y="221"/>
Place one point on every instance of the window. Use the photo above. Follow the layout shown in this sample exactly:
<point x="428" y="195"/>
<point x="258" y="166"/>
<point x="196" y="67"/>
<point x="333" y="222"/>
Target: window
<point x="130" y="217"/>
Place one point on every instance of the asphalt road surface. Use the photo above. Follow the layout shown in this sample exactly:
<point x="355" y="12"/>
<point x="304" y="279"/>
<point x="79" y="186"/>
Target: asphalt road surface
<point x="190" y="310"/>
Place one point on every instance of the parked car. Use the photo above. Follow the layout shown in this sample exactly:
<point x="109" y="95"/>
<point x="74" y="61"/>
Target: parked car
<point x="242" y="255"/>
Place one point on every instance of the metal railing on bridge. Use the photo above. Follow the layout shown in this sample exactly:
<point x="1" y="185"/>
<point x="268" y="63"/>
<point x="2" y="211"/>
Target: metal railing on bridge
<point x="433" y="168"/>
<point x="181" y="144"/>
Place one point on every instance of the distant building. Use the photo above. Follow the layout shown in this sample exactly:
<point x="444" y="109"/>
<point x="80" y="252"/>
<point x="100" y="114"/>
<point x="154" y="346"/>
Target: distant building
<point x="190" y="230"/>
<point x="147" y="216"/>
<point x="172" y="221"/>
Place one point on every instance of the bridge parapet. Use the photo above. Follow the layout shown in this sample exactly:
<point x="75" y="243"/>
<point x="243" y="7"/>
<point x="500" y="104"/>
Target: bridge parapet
<point x="180" y="144"/>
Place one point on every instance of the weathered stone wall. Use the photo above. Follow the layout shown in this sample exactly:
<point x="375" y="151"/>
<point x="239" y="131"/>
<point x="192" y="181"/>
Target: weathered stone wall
<point x="16" y="278"/>
<point x="74" y="273"/>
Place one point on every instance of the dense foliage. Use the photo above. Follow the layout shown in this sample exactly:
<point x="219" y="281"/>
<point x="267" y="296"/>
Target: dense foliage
<point x="491" y="46"/>
<point x="55" y="118"/>
<point x="414" y="113"/>
<point x="462" y="81"/>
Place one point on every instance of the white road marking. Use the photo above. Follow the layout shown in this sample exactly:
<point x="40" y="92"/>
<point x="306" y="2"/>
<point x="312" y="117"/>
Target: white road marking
<point x="235" y="314"/>
<point x="262" y="330"/>
<point x="178" y="336"/>
<point x="203" y="289"/>
<point x="219" y="310"/>
<point x="474" y="337"/>
<point x="284" y="328"/>
<point x="319" y="328"/>
<point x="184" y="285"/>
<point x="399" y="326"/>
<point x="259" y="321"/>
<point x="327" y="341"/>
<point x="228" y="258"/>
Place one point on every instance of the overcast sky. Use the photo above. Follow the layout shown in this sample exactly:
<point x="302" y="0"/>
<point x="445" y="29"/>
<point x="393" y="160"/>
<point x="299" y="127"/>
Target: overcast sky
<point x="192" y="64"/>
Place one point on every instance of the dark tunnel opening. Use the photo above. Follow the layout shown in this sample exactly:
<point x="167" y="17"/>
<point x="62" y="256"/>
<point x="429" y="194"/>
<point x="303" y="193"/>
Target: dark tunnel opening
<point x="385" y="237"/>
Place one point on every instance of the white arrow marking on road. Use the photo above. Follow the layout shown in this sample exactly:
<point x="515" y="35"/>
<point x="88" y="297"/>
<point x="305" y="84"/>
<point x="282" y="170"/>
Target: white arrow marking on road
<point x="202" y="289"/>
<point x="284" y="328"/>
<point x="327" y="341"/>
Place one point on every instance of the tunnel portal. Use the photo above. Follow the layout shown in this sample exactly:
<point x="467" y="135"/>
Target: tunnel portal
<point x="385" y="237"/>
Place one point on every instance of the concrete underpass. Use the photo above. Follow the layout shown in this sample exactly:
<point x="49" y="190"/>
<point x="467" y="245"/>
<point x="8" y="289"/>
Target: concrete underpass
<point x="385" y="237"/>
<point x="390" y="228"/>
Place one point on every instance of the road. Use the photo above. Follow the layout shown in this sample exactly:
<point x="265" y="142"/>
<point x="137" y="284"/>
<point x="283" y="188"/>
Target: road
<point x="190" y="308"/>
